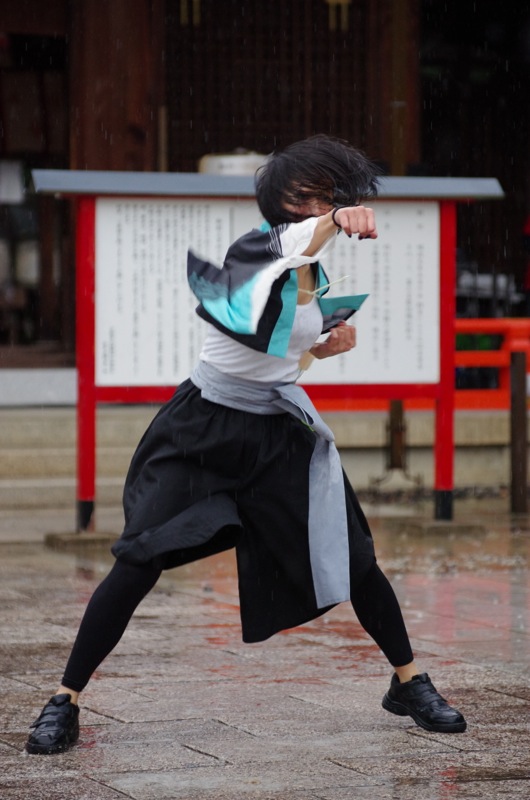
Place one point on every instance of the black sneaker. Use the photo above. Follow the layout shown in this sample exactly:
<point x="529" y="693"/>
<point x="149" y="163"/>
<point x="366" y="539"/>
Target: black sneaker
<point x="419" y="699"/>
<point x="57" y="727"/>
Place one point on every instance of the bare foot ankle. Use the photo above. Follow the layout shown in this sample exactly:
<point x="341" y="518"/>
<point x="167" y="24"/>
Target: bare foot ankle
<point x="74" y="696"/>
<point x="407" y="672"/>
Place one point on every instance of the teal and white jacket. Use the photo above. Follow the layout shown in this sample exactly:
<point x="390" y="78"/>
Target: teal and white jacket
<point x="253" y="297"/>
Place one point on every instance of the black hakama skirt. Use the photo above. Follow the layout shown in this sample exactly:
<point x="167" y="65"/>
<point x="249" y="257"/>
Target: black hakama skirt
<point x="206" y="478"/>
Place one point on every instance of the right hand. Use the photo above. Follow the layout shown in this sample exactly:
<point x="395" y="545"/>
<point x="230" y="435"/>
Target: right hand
<point x="357" y="220"/>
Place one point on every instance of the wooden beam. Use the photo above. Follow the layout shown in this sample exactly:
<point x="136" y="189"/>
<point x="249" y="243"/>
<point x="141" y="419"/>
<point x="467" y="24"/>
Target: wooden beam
<point x="115" y="95"/>
<point x="404" y="81"/>
<point x="35" y="17"/>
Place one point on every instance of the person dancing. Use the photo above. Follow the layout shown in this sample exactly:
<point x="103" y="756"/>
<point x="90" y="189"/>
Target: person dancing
<point x="239" y="457"/>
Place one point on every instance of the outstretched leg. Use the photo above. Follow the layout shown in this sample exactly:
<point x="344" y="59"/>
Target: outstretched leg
<point x="104" y="622"/>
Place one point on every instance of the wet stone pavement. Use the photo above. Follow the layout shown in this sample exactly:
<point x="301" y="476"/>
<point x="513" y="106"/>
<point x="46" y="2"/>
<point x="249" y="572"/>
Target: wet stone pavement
<point x="182" y="709"/>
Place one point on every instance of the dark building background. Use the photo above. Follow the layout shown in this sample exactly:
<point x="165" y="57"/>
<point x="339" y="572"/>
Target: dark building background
<point x="425" y="88"/>
<point x="475" y="87"/>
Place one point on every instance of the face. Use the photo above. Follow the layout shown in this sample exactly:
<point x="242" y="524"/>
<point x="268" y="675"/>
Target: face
<point x="307" y="207"/>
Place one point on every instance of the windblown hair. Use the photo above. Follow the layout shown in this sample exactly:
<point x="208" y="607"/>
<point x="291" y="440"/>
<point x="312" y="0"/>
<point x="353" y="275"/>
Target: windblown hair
<point x="322" y="168"/>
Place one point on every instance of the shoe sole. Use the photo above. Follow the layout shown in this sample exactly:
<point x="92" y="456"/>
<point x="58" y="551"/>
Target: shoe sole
<point x="49" y="750"/>
<point x="402" y="711"/>
<point x="43" y="750"/>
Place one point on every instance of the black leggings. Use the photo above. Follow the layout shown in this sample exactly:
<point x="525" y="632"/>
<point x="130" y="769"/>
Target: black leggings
<point x="116" y="598"/>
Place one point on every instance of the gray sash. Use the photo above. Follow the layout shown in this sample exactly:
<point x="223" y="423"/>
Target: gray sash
<point x="327" y="521"/>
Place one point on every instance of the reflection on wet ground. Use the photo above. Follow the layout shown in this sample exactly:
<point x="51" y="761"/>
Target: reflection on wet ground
<point x="182" y="709"/>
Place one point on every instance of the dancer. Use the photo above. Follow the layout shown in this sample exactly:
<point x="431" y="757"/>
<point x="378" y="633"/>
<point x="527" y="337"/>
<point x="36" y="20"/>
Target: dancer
<point x="240" y="458"/>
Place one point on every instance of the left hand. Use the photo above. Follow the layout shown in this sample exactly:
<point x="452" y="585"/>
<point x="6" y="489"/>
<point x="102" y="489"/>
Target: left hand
<point x="341" y="339"/>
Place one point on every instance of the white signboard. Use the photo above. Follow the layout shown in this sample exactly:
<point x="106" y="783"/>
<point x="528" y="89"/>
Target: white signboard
<point x="398" y="326"/>
<point x="147" y="332"/>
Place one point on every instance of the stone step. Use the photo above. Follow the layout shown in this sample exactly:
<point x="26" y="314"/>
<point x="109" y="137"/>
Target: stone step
<point x="60" y="462"/>
<point x="56" y="427"/>
<point x="117" y="426"/>
<point x="38" y="450"/>
<point x="55" y="493"/>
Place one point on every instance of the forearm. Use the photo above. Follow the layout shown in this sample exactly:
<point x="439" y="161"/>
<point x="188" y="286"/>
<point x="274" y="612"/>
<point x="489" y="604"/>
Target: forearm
<point x="325" y="229"/>
<point x="357" y="220"/>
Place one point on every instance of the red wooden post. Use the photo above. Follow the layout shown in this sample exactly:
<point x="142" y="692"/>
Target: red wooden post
<point x="445" y="402"/>
<point x="85" y="349"/>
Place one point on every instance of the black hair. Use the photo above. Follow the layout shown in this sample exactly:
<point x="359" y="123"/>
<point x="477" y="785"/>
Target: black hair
<point x="322" y="168"/>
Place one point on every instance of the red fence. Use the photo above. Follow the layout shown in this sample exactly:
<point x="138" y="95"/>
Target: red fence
<point x="514" y="336"/>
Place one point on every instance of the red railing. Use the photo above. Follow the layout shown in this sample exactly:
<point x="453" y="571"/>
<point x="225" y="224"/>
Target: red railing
<point x="515" y="337"/>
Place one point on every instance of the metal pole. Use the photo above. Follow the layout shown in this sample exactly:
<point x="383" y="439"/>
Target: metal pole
<point x="518" y="433"/>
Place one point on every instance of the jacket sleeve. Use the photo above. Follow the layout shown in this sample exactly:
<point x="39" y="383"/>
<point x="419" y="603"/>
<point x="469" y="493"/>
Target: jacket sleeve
<point x="236" y="294"/>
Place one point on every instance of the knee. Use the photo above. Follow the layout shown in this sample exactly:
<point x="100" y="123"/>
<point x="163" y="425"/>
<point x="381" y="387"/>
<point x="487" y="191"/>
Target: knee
<point x="139" y="577"/>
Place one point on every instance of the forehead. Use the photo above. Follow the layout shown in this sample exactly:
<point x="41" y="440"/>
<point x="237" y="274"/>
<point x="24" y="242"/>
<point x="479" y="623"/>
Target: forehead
<point x="308" y="190"/>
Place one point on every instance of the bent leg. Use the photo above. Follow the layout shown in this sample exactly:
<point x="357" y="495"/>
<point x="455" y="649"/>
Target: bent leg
<point x="410" y="694"/>
<point x="377" y="609"/>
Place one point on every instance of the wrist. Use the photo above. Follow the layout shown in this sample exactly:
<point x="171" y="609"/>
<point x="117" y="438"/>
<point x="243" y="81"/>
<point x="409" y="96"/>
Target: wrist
<point x="333" y="214"/>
